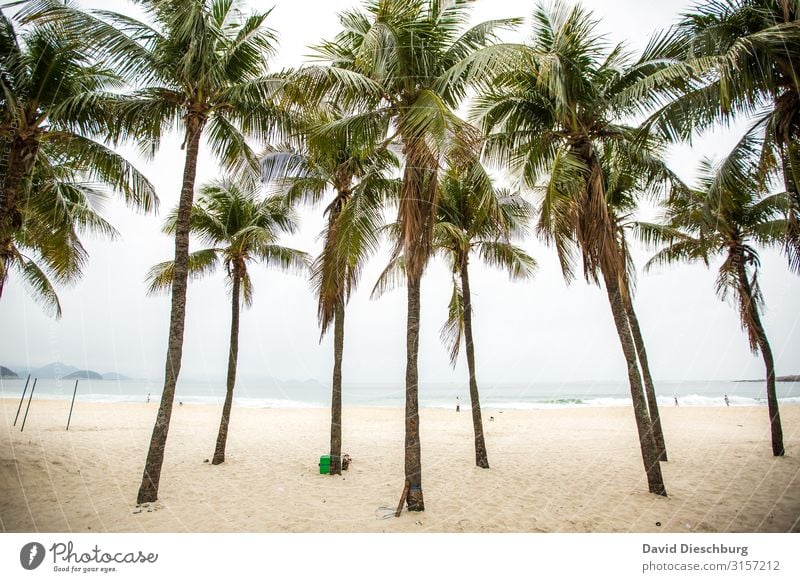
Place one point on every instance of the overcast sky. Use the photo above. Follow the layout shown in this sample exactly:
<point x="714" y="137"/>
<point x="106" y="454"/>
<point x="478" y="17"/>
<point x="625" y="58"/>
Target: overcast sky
<point x="541" y="330"/>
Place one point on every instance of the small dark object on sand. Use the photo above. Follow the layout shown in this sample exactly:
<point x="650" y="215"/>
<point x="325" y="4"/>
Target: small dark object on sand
<point x="346" y="460"/>
<point x="491" y="418"/>
<point x="658" y="524"/>
<point x="181" y="403"/>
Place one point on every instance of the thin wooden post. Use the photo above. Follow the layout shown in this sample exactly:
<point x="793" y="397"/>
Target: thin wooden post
<point x="27" y="408"/>
<point x="21" y="399"/>
<point x="74" y="392"/>
<point x="402" y="499"/>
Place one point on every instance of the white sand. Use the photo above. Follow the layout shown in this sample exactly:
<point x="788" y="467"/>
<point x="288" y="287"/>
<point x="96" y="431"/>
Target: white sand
<point x="552" y="470"/>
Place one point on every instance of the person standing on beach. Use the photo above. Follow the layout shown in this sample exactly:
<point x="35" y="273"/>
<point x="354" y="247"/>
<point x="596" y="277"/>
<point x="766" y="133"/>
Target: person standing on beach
<point x="676" y="401"/>
<point x="727" y="402"/>
<point x="148" y="398"/>
<point x="458" y="404"/>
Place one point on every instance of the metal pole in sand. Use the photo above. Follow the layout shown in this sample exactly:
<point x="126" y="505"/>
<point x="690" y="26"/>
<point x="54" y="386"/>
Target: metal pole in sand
<point x="74" y="392"/>
<point x="21" y="399"/>
<point x="27" y="408"/>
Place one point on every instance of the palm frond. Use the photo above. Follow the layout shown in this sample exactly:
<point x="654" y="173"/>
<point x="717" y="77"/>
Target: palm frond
<point x="201" y="263"/>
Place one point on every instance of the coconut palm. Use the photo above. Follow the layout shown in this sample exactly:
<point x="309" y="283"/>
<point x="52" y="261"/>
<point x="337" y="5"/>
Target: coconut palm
<point x="624" y="185"/>
<point x="46" y="249"/>
<point x="554" y="121"/>
<point x="473" y="218"/>
<point x="51" y="99"/>
<point x="743" y="55"/>
<point x="410" y="61"/>
<point x="239" y="229"/>
<point x="357" y="172"/>
<point x="729" y="215"/>
<point x="202" y="67"/>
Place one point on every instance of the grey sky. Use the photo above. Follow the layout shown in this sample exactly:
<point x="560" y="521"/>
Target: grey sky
<point x="534" y="331"/>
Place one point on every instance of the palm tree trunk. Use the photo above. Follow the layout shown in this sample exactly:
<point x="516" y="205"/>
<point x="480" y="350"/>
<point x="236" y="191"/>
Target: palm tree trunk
<point x="649" y="387"/>
<point x="336" y="396"/>
<point x="233" y="357"/>
<point x="757" y="331"/>
<point x="148" y="490"/>
<point x="413" y="460"/>
<point x="655" y="480"/>
<point x="481" y="456"/>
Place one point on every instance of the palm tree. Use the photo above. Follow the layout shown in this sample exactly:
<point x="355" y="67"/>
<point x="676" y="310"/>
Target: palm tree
<point x="51" y="98"/>
<point x="203" y="70"/>
<point x="410" y="61"/>
<point x="46" y="248"/>
<point x="742" y="55"/>
<point x="469" y="221"/>
<point x="472" y="217"/>
<point x="623" y="186"/>
<point x="728" y="216"/>
<point x="351" y="166"/>
<point x="559" y="116"/>
<point x="239" y="229"/>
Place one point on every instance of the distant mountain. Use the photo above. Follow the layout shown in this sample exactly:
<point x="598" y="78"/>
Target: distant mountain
<point x="789" y="378"/>
<point x="7" y="373"/>
<point x="60" y="370"/>
<point x="52" y="371"/>
<point x="83" y="375"/>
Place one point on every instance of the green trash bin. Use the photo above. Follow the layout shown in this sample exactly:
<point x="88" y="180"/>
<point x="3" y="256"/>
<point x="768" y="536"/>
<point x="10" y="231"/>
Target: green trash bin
<point x="325" y="465"/>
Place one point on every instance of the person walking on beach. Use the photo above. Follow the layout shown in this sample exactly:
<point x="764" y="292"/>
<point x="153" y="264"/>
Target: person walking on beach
<point x="727" y="402"/>
<point x="458" y="404"/>
<point x="148" y="398"/>
<point x="676" y="401"/>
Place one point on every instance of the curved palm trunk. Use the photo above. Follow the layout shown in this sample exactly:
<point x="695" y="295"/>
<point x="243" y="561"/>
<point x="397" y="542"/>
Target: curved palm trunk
<point x="148" y="490"/>
<point x="413" y="456"/>
<point x="481" y="456"/>
<point x="757" y="331"/>
<point x="655" y="480"/>
<point x="336" y="396"/>
<point x="649" y="387"/>
<point x="233" y="356"/>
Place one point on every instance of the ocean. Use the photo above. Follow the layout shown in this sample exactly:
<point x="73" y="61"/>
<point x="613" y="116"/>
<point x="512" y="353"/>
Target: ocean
<point x="276" y="394"/>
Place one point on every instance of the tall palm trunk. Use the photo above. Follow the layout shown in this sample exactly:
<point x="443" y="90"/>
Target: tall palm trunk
<point x="649" y="387"/>
<point x="336" y="396"/>
<point x="757" y="331"/>
<point x="413" y="460"/>
<point x="481" y="456"/>
<point x="148" y="490"/>
<point x="233" y="357"/>
<point x="655" y="480"/>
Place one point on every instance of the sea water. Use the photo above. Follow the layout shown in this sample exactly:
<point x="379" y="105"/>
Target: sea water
<point x="270" y="393"/>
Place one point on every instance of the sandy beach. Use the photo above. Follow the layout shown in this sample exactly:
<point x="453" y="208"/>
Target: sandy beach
<point x="566" y="470"/>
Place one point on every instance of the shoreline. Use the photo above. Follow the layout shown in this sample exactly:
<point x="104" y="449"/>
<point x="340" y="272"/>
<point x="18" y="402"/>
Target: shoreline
<point x="600" y="403"/>
<point x="553" y="470"/>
